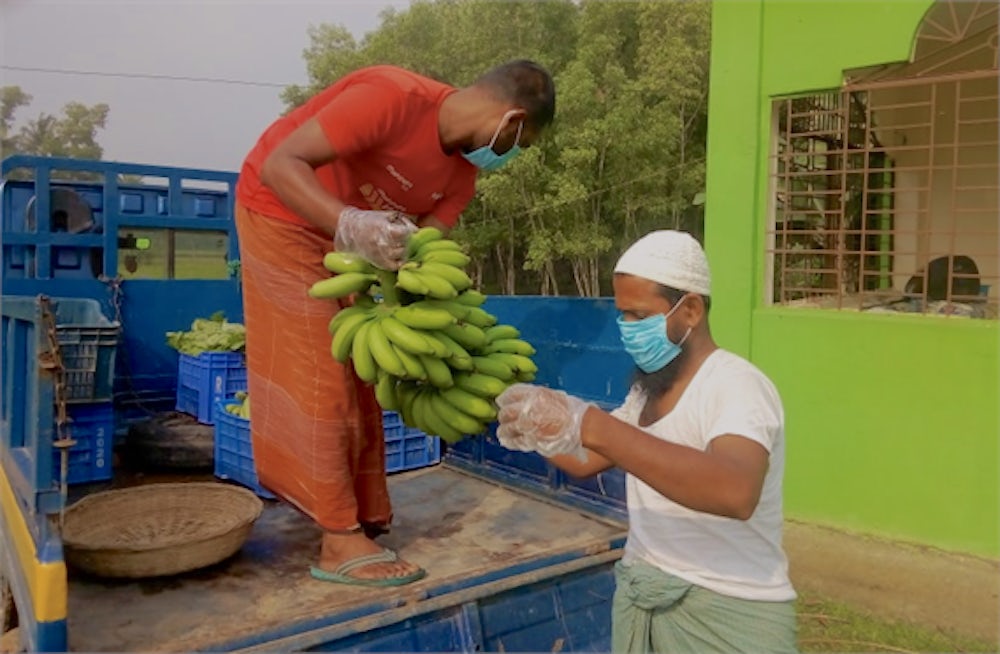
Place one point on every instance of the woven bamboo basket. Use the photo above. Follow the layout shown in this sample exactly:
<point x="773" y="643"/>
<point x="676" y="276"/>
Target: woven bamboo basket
<point x="158" y="529"/>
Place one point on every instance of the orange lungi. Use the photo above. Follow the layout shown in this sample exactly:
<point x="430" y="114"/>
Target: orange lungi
<point x="316" y="428"/>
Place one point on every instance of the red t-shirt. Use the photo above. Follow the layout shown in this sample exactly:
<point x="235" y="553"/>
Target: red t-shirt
<point x="382" y="122"/>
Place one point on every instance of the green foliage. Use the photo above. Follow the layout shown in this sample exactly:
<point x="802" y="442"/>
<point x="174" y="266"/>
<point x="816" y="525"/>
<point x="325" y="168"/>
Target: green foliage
<point x="73" y="134"/>
<point x="213" y="334"/>
<point x="624" y="156"/>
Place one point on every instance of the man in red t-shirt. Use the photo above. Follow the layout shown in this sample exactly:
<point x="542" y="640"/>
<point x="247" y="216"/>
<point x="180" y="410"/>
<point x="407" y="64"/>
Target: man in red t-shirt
<point x="359" y="166"/>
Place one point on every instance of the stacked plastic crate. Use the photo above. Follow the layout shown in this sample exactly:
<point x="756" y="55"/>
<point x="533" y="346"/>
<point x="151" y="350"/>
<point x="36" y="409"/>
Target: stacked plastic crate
<point x="87" y="345"/>
<point x="206" y="385"/>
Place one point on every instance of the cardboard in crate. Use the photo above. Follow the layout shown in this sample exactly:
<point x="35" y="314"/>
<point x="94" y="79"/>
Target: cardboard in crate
<point x="92" y="426"/>
<point x="234" y="449"/>
<point x="407" y="448"/>
<point x="206" y="379"/>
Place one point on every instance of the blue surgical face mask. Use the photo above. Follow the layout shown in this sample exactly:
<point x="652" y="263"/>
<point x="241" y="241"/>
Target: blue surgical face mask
<point x="647" y="342"/>
<point x="486" y="159"/>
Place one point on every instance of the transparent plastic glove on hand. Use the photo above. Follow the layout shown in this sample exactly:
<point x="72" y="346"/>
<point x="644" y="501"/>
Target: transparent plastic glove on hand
<point x="378" y="236"/>
<point x="535" y="418"/>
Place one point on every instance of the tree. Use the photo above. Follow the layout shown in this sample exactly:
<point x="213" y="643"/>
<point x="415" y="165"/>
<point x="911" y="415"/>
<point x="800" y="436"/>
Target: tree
<point x="12" y="98"/>
<point x="624" y="156"/>
<point x="73" y="134"/>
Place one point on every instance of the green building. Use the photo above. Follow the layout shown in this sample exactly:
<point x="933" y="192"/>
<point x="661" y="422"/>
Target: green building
<point x="852" y="225"/>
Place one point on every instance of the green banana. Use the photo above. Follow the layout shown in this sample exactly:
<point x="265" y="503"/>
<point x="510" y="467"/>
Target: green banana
<point x="455" y="417"/>
<point x="436" y="246"/>
<point x="382" y="351"/>
<point x="471" y="298"/>
<point x="497" y="332"/>
<point x="419" y="409"/>
<point x="458" y="356"/>
<point x="340" y="346"/>
<point x="438" y="372"/>
<point x="420" y="238"/>
<point x="436" y="423"/>
<point x="454" y="276"/>
<point x="482" y="385"/>
<point x="467" y="335"/>
<point x="480" y="318"/>
<point x="469" y="403"/>
<point x="341" y="285"/>
<point x="385" y="391"/>
<point x="423" y="317"/>
<point x="405" y="337"/>
<point x="441" y="350"/>
<point x="346" y="262"/>
<point x="405" y="392"/>
<point x="343" y="315"/>
<point x="511" y="345"/>
<point x="456" y="310"/>
<point x="406" y="280"/>
<point x="437" y="286"/>
<point x="447" y="257"/>
<point x="524" y="376"/>
<point x="414" y="369"/>
<point x="364" y="364"/>
<point x="492" y="367"/>
<point x="517" y="362"/>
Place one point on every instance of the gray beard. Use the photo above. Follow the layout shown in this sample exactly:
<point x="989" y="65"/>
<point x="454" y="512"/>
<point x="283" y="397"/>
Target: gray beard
<point x="656" y="384"/>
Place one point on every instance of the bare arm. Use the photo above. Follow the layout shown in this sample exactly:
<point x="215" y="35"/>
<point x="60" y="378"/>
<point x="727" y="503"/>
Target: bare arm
<point x="725" y="480"/>
<point x="595" y="464"/>
<point x="289" y="171"/>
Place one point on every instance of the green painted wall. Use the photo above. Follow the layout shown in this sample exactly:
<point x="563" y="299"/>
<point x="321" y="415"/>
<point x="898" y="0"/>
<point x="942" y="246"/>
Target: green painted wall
<point x="893" y="421"/>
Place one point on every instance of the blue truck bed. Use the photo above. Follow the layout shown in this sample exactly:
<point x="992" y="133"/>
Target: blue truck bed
<point x="519" y="555"/>
<point x="506" y="572"/>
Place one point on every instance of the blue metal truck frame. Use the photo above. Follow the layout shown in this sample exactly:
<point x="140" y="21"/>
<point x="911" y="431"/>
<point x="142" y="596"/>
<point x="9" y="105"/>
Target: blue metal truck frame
<point x="578" y="351"/>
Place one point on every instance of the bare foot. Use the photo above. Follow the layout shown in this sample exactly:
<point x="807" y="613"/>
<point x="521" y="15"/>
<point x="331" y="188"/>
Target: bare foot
<point x="340" y="548"/>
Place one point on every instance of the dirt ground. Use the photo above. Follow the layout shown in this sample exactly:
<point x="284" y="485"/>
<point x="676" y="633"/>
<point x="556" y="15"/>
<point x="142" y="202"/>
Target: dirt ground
<point x="895" y="580"/>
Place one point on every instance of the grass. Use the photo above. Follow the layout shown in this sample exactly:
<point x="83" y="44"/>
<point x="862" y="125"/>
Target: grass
<point x="829" y="626"/>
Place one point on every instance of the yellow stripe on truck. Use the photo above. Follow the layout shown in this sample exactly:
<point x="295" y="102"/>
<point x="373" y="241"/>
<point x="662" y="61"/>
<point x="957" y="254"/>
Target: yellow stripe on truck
<point x="46" y="581"/>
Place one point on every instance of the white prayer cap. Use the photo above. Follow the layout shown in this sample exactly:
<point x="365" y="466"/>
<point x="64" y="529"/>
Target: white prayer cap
<point x="670" y="258"/>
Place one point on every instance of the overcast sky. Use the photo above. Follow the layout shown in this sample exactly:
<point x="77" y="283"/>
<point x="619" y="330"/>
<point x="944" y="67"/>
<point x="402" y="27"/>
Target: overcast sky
<point x="161" y="121"/>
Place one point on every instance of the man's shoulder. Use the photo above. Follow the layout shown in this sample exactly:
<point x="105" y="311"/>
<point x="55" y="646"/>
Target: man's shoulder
<point x="724" y="364"/>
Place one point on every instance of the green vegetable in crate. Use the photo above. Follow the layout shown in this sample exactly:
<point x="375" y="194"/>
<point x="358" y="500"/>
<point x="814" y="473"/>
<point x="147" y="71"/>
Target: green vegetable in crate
<point x="433" y="353"/>
<point x="214" y="334"/>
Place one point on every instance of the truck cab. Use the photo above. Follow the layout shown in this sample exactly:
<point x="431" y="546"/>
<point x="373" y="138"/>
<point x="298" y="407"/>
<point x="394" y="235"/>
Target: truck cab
<point x="519" y="555"/>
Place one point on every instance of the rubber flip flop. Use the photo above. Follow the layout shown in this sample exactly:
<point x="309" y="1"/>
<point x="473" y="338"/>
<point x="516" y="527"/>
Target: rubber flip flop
<point x="341" y="576"/>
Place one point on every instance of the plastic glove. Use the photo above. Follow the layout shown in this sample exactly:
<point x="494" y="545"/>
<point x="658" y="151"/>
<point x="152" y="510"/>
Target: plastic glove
<point x="535" y="418"/>
<point x="377" y="236"/>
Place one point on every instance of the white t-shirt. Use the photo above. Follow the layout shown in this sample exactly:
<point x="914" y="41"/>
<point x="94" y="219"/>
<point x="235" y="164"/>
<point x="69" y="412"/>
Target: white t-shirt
<point x="728" y="395"/>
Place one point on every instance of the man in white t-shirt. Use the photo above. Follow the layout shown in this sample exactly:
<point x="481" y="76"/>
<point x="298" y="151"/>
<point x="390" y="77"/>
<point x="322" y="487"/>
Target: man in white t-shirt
<point x="701" y="438"/>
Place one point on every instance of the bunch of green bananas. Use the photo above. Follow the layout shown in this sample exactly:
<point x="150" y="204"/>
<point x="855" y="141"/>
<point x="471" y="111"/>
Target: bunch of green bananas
<point x="243" y="408"/>
<point x="421" y="336"/>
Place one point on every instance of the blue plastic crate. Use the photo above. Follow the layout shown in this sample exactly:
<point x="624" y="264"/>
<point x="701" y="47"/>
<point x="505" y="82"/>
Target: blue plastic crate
<point x="87" y="344"/>
<point x="93" y="429"/>
<point x="207" y="378"/>
<point x="234" y="450"/>
<point x="407" y="448"/>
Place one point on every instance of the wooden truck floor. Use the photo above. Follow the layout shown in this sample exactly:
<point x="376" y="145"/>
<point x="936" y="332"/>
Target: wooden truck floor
<point x="460" y="528"/>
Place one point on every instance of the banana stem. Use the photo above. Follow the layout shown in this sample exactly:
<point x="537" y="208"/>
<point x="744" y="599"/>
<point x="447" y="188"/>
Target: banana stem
<point x="387" y="281"/>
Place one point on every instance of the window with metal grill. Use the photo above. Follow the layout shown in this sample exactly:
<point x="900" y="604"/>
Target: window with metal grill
<point x="885" y="193"/>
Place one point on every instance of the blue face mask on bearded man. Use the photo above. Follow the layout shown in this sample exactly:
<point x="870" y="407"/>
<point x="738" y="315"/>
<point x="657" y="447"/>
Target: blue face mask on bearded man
<point x="647" y="342"/>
